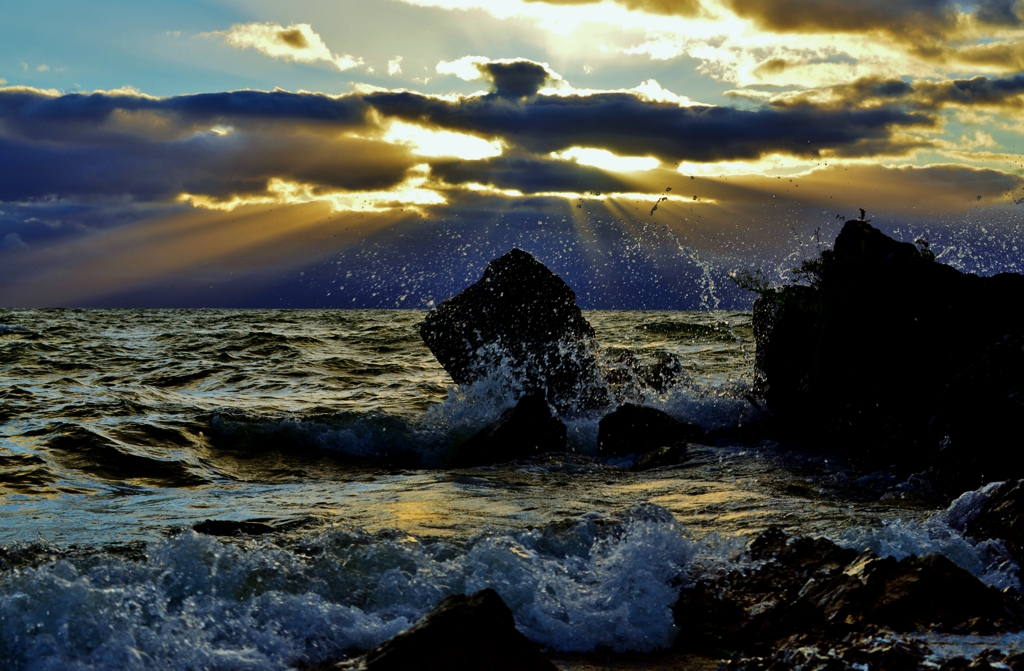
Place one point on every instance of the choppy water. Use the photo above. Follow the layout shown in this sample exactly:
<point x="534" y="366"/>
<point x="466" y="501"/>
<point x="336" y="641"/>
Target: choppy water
<point x="121" y="429"/>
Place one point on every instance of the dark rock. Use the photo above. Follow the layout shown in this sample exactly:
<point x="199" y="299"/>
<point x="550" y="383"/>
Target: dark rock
<point x="1015" y="662"/>
<point x="802" y="591"/>
<point x="523" y="317"/>
<point x="523" y="431"/>
<point x="928" y="593"/>
<point x="722" y="613"/>
<point x="461" y="633"/>
<point x="670" y="455"/>
<point x="633" y="429"/>
<point x="232" y="528"/>
<point x="981" y="409"/>
<point x="867" y="352"/>
<point x="845" y="656"/>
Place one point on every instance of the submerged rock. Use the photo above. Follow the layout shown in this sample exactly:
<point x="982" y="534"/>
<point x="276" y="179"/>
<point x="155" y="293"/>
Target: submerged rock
<point x="635" y="429"/>
<point x="523" y="431"/>
<point x="461" y="633"/>
<point x="886" y="351"/>
<point x="671" y="455"/>
<point x="523" y="319"/>
<point x="232" y="528"/>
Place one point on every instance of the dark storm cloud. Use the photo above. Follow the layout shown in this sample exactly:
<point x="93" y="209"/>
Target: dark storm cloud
<point x="30" y="113"/>
<point x="517" y="79"/>
<point x="1004" y="92"/>
<point x="905" y="20"/>
<point x="530" y="174"/>
<point x="209" y="165"/>
<point x="101" y="146"/>
<point x="1000" y="92"/>
<point x="627" y="125"/>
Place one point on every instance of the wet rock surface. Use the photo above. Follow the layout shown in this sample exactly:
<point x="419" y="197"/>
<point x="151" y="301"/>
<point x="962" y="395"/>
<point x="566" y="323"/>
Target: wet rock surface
<point x="998" y="515"/>
<point x="635" y="429"/>
<point x="526" y="430"/>
<point x="523" y="318"/>
<point x="808" y="603"/>
<point x="902" y="358"/>
<point x="461" y="633"/>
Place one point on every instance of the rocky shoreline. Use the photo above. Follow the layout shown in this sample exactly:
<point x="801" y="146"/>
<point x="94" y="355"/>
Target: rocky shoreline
<point x="881" y="352"/>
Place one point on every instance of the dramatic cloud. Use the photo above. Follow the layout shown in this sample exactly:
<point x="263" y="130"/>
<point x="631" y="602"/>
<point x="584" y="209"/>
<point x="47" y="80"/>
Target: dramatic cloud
<point x="296" y="42"/>
<point x="906" y="19"/>
<point x="531" y="174"/>
<point x="664" y="7"/>
<point x="626" y="125"/>
<point x="235" y="146"/>
<point x="219" y="146"/>
<point x="43" y="115"/>
<point x="517" y="79"/>
<point x="510" y="78"/>
<point x="999" y="93"/>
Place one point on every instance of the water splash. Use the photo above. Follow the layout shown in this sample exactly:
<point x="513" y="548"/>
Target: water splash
<point x="708" y="299"/>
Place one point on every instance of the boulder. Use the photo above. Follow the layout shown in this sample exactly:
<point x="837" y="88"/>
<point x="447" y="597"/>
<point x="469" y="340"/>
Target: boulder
<point x="801" y="591"/>
<point x="635" y="429"/>
<point x="866" y="351"/>
<point x="523" y="431"/>
<point x="721" y="613"/>
<point x="523" y="319"/>
<point x="928" y="593"/>
<point x="461" y="633"/>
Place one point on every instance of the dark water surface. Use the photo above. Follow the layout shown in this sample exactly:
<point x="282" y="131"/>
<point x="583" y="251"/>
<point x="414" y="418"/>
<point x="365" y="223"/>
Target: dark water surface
<point x="122" y="428"/>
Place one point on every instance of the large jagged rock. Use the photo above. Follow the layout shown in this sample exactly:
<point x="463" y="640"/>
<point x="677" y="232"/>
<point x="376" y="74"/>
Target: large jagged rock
<point x="523" y="431"/>
<point x="522" y="318"/>
<point x="635" y="429"/>
<point x="883" y="348"/>
<point x="462" y="633"/>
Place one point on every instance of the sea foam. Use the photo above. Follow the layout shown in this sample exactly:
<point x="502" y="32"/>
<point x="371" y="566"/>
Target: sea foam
<point x="199" y="602"/>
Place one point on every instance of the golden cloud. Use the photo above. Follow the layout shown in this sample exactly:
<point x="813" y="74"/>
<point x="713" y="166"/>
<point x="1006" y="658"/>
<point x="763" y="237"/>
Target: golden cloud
<point x="296" y="42"/>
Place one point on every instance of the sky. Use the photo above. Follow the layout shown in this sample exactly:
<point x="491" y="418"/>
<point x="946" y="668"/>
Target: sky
<point x="378" y="153"/>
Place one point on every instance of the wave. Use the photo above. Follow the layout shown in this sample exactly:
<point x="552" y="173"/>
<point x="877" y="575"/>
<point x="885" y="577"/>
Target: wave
<point x="428" y="439"/>
<point x="84" y="449"/>
<point x="198" y="602"/>
<point x="988" y="560"/>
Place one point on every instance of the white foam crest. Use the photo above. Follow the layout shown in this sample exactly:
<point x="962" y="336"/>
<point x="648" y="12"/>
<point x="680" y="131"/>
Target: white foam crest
<point x="987" y="560"/>
<point x="967" y="506"/>
<point x="199" y="602"/>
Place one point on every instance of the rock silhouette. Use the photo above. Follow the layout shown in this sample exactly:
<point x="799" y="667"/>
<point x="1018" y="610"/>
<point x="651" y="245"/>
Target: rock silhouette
<point x="897" y="356"/>
<point x="523" y="431"/>
<point x="635" y="429"/>
<point x="461" y="633"/>
<point x="523" y="319"/>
